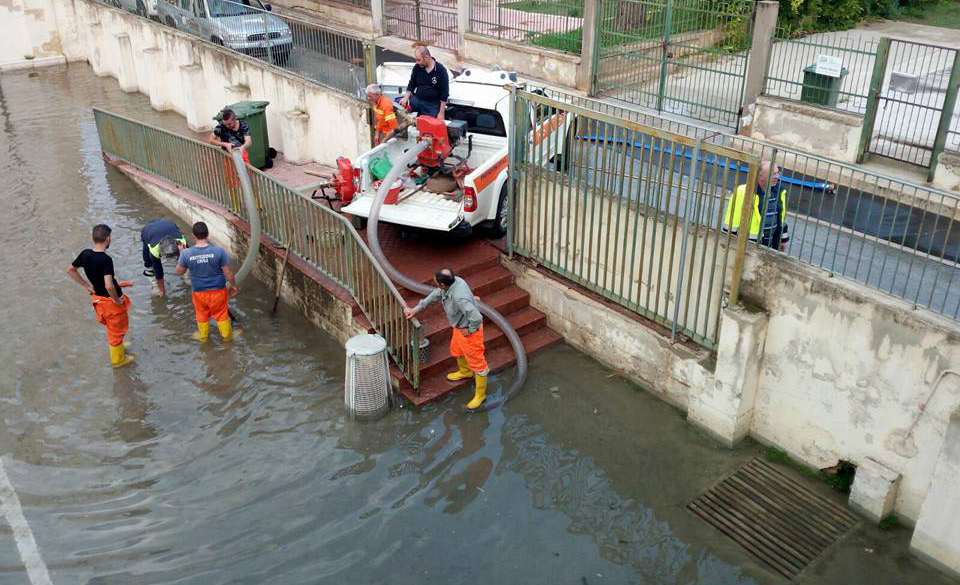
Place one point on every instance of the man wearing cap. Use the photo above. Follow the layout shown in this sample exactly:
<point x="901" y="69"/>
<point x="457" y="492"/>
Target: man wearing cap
<point x="161" y="238"/>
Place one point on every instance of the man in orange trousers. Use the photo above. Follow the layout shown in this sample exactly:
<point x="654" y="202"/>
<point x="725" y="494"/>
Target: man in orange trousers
<point x="212" y="281"/>
<point x="467" y="342"/>
<point x="109" y="303"/>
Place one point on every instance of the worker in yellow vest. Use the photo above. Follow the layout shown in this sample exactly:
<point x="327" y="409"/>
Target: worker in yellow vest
<point x="768" y="224"/>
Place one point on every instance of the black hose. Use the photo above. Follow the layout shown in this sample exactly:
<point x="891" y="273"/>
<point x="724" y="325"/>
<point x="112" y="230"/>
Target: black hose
<point x="373" y="240"/>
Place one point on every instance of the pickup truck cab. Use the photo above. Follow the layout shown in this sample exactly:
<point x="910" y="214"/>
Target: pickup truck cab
<point x="468" y="190"/>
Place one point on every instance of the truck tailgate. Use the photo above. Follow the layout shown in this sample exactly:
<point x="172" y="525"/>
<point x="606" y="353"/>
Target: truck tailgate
<point x="422" y="210"/>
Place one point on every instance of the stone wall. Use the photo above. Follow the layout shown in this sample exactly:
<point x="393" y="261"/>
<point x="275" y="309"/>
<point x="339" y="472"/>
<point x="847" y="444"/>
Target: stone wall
<point x="829" y="133"/>
<point x="196" y="78"/>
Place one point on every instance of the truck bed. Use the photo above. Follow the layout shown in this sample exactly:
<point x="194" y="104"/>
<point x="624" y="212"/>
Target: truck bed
<point x="425" y="210"/>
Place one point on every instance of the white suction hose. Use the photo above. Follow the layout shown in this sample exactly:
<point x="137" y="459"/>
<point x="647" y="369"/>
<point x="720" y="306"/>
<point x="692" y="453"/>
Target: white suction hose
<point x="373" y="240"/>
<point x="252" y="212"/>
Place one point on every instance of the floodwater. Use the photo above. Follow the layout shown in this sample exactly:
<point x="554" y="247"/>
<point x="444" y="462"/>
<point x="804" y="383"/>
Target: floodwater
<point x="236" y="463"/>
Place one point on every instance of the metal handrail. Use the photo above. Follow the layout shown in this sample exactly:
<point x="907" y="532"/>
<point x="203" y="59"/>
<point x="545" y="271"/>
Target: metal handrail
<point x="320" y="236"/>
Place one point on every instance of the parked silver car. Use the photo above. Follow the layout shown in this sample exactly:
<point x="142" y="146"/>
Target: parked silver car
<point x="246" y="26"/>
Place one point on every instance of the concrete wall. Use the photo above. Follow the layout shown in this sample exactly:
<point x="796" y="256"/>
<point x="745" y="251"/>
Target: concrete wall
<point x="552" y="67"/>
<point x="947" y="174"/>
<point x="829" y="133"/>
<point x="29" y="34"/>
<point x="336" y="14"/>
<point x="320" y="300"/>
<point x="196" y="78"/>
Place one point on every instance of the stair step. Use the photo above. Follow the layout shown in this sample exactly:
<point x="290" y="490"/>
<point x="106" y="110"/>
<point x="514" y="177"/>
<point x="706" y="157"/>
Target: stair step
<point x="505" y="301"/>
<point x="524" y="321"/>
<point x="436" y="386"/>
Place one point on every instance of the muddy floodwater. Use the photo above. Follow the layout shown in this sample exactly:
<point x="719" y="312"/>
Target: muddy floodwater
<point x="236" y="463"/>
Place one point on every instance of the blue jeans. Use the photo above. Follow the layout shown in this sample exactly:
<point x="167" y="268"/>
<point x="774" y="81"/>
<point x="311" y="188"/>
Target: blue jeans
<point x="424" y="107"/>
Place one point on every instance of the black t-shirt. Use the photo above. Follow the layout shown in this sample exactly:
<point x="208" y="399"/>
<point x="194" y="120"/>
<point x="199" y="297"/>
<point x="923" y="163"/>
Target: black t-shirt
<point x="235" y="138"/>
<point x="431" y="87"/>
<point x="95" y="266"/>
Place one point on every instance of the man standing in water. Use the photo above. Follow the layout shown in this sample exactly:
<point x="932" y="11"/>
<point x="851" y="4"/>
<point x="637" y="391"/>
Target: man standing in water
<point x="109" y="303"/>
<point x="213" y="283"/>
<point x="160" y="238"/>
<point x="467" y="342"/>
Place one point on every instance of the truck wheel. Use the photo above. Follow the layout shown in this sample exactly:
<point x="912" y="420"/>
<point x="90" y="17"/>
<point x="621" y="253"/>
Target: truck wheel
<point x="359" y="223"/>
<point x="501" y="222"/>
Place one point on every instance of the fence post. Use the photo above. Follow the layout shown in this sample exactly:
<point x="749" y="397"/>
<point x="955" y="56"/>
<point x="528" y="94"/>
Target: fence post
<point x="873" y="98"/>
<point x="949" y="103"/>
<point x="416" y="17"/>
<point x="664" y="54"/>
<point x="589" y="46"/>
<point x="376" y="15"/>
<point x="761" y="48"/>
<point x="743" y="231"/>
<point x="464" y="9"/>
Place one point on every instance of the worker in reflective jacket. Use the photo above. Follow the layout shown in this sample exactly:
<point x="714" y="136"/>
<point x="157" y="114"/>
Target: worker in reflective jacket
<point x="384" y="118"/>
<point x="768" y="224"/>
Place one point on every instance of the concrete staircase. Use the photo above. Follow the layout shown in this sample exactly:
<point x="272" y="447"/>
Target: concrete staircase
<point x="478" y="263"/>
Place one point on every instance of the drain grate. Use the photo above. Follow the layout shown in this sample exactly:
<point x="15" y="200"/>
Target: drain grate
<point x="777" y="520"/>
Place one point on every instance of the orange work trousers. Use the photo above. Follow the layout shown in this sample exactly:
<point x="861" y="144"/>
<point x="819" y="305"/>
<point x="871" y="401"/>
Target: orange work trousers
<point x="209" y="304"/>
<point x="233" y="180"/>
<point x="113" y="316"/>
<point x="470" y="347"/>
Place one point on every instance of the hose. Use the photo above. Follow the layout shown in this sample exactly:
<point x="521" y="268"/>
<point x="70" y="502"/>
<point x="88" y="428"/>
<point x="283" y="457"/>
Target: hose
<point x="373" y="241"/>
<point x="252" y="212"/>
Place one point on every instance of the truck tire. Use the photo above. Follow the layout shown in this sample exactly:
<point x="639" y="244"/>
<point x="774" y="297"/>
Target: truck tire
<point x="497" y="228"/>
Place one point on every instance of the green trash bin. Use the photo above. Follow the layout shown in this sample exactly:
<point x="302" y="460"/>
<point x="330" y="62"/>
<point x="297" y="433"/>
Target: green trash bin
<point x="819" y="89"/>
<point x="254" y="113"/>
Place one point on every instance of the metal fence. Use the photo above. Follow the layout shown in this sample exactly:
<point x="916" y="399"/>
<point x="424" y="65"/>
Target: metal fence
<point x="791" y="61"/>
<point x="632" y="212"/>
<point x="551" y="24"/>
<point x="323" y="55"/>
<point x="886" y="233"/>
<point x="431" y="22"/>
<point x="685" y="57"/>
<point x="320" y="236"/>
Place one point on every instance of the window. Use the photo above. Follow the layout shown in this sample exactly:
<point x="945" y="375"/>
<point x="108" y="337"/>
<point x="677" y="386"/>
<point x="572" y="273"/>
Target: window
<point x="479" y="120"/>
<point x="223" y="8"/>
<point x="199" y="9"/>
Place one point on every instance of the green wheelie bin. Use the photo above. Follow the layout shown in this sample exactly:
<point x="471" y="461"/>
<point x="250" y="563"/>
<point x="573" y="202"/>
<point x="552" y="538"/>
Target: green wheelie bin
<point x="254" y="113"/>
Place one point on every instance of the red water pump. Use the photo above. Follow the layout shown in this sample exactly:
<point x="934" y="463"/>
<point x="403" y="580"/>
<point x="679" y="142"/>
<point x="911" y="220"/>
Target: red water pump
<point x="435" y="131"/>
<point x="344" y="180"/>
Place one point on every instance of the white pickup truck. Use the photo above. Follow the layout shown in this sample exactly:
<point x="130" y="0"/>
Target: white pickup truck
<point x="468" y="188"/>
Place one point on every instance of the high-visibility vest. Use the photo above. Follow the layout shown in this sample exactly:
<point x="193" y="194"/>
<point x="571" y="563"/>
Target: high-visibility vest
<point x="155" y="248"/>
<point x="731" y="218"/>
<point x="384" y="118"/>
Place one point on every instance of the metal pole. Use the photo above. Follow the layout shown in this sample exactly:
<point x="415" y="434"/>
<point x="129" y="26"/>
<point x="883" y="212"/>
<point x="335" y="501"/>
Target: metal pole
<point x="873" y="98"/>
<point x="416" y="10"/>
<point x="664" y="54"/>
<point x="949" y="103"/>
<point x="512" y="168"/>
<point x="691" y="194"/>
<point x="266" y="37"/>
<point x="743" y="233"/>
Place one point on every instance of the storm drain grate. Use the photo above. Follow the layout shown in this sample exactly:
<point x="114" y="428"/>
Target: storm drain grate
<point x="777" y="520"/>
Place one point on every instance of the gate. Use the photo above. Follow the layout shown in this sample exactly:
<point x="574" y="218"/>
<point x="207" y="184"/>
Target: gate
<point x="686" y="57"/>
<point x="432" y="22"/>
<point x="913" y="85"/>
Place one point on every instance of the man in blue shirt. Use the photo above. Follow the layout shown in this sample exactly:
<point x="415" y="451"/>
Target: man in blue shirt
<point x="160" y="238"/>
<point x="212" y="281"/>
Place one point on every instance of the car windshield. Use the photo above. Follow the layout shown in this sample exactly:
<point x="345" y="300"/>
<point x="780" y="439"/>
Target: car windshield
<point x="222" y="8"/>
<point x="479" y="120"/>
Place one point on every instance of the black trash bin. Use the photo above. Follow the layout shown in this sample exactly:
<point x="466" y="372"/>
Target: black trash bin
<point x="254" y="113"/>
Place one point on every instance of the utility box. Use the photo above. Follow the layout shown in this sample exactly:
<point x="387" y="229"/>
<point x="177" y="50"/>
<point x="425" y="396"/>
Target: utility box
<point x="254" y="113"/>
<point x="820" y="89"/>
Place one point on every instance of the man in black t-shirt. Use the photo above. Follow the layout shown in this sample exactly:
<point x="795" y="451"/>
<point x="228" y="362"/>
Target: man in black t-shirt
<point x="109" y="303"/>
<point x="232" y="133"/>
<point x="429" y="86"/>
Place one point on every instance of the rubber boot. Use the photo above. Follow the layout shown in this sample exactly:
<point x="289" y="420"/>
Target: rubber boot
<point x="480" y="394"/>
<point x="462" y="373"/>
<point x="203" y="332"/>
<point x="226" y="329"/>
<point x="119" y="356"/>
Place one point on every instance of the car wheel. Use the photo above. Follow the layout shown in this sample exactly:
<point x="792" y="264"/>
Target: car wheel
<point x="170" y="22"/>
<point x="141" y="9"/>
<point x="216" y="41"/>
<point x="501" y="222"/>
<point x="359" y="223"/>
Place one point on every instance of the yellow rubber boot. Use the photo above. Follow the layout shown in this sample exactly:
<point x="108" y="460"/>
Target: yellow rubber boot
<point x="119" y="356"/>
<point x="226" y="329"/>
<point x="203" y="332"/>
<point x="462" y="373"/>
<point x="480" y="394"/>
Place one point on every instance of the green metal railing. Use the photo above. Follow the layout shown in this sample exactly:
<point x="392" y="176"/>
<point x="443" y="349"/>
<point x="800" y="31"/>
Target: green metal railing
<point x="790" y="55"/>
<point x="432" y="22"/>
<point x="883" y="232"/>
<point x="686" y="57"/>
<point x="550" y="24"/>
<point x="632" y="212"/>
<point x="321" y="237"/>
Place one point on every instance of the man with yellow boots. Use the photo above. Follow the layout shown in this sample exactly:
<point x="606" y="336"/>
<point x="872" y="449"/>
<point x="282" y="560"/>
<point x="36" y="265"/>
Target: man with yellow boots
<point x="467" y="342"/>
<point x="212" y="281"/>
<point x="106" y="292"/>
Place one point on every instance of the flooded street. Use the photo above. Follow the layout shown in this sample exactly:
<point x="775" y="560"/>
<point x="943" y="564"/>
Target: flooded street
<point x="236" y="463"/>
